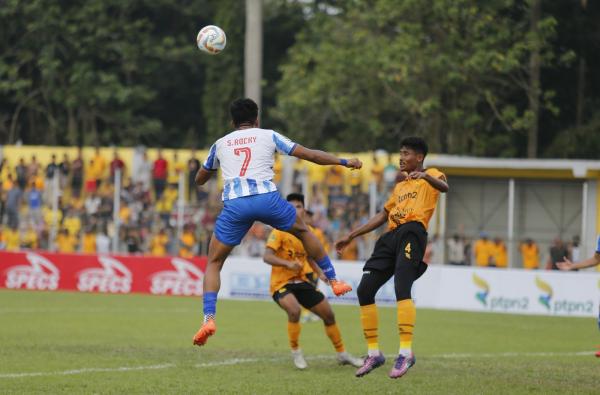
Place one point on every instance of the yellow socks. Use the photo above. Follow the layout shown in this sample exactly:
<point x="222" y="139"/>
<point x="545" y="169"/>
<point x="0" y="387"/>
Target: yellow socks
<point x="333" y="332"/>
<point x="293" y="334"/>
<point x="407" y="314"/>
<point x="370" y="321"/>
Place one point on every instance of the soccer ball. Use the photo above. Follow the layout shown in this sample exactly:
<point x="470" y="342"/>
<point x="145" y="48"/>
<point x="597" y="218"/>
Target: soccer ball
<point x="211" y="39"/>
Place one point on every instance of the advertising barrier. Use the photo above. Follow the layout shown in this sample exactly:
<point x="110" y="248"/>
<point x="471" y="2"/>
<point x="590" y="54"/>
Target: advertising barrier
<point x="447" y="287"/>
<point x="441" y="287"/>
<point x="101" y="273"/>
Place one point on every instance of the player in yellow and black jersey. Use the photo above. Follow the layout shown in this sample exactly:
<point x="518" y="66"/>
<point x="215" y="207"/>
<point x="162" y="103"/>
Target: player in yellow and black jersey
<point x="291" y="287"/>
<point x="398" y="252"/>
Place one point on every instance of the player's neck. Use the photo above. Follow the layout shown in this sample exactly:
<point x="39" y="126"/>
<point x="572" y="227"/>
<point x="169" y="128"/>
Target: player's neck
<point x="246" y="126"/>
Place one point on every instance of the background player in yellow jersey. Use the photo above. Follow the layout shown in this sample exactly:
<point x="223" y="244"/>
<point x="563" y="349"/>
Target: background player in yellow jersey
<point x="291" y="287"/>
<point x="398" y="252"/>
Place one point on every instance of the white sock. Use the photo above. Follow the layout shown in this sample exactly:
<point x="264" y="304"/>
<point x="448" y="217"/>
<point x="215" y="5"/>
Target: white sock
<point x="373" y="352"/>
<point x="405" y="352"/>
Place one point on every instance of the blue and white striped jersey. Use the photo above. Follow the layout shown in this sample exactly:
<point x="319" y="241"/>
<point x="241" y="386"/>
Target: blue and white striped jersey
<point x="598" y="245"/>
<point x="246" y="158"/>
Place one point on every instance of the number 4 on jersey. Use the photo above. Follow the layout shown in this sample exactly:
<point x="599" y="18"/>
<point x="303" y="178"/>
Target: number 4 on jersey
<point x="247" y="156"/>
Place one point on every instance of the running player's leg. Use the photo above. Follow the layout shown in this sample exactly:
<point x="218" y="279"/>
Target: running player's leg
<point x="288" y="302"/>
<point x="315" y="250"/>
<point x="408" y="269"/>
<point x="325" y="312"/>
<point x="217" y="253"/>
<point x="231" y="226"/>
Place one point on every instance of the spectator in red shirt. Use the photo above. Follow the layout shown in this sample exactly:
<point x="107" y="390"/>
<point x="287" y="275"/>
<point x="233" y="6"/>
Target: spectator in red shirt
<point x="160" y="171"/>
<point x="115" y="164"/>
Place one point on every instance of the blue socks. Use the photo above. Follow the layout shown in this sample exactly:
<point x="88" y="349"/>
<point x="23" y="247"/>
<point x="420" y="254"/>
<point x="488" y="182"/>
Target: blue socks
<point x="327" y="267"/>
<point x="210" y="305"/>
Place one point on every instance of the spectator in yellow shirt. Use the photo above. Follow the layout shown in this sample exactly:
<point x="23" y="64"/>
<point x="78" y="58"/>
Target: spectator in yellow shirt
<point x="29" y="238"/>
<point x="187" y="242"/>
<point x="66" y="243"/>
<point x="158" y="244"/>
<point x="124" y="213"/>
<point x="483" y="250"/>
<point x="377" y="172"/>
<point x="175" y="170"/>
<point x="72" y="223"/>
<point x="88" y="242"/>
<point x="99" y="166"/>
<point x="499" y="254"/>
<point x="530" y="253"/>
<point x="12" y="239"/>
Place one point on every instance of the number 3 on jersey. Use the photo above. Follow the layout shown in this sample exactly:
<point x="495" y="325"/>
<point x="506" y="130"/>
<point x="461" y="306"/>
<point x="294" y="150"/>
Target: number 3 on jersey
<point x="247" y="156"/>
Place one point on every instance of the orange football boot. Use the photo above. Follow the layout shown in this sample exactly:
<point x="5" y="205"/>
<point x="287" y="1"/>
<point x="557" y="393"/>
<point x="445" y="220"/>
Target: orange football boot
<point x="339" y="287"/>
<point x="208" y="329"/>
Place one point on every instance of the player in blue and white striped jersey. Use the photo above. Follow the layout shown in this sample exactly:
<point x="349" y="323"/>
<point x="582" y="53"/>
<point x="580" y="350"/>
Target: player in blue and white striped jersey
<point x="590" y="262"/>
<point x="246" y="159"/>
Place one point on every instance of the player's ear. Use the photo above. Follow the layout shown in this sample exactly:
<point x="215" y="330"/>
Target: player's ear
<point x="420" y="157"/>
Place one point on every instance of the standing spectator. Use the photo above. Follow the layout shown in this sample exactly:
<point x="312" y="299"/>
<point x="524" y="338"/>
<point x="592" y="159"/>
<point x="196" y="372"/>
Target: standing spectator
<point x="99" y="167"/>
<point x="377" y="173"/>
<point x="12" y="239"/>
<point x="389" y="175"/>
<point x="66" y="243"/>
<point x="51" y="172"/>
<point x="456" y="250"/>
<point x="159" y="175"/>
<point x="77" y="174"/>
<point x="158" y="244"/>
<point x="13" y="204"/>
<point x="468" y="252"/>
<point x="193" y="166"/>
<point x="499" y="253"/>
<point x="145" y="172"/>
<point x="175" y="170"/>
<point x="88" y="241"/>
<point x="530" y="254"/>
<point x="355" y="182"/>
<point x="558" y="253"/>
<point x="21" y="173"/>
<point x="34" y="200"/>
<point x="103" y="242"/>
<point x="29" y="238"/>
<point x="91" y="177"/>
<point x="33" y="168"/>
<point x="116" y="163"/>
<point x="92" y="205"/>
<point x="132" y="241"/>
<point x="187" y="242"/>
<point x="483" y="250"/>
<point x="65" y="169"/>
<point x="575" y="249"/>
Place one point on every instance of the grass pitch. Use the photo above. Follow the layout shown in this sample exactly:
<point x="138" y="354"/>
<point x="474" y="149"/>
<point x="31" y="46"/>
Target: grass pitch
<point x="53" y="342"/>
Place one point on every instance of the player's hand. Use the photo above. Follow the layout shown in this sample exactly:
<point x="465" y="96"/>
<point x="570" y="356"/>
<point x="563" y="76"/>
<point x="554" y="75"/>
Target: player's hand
<point x="565" y="265"/>
<point x="417" y="175"/>
<point x="342" y="243"/>
<point x="354" y="163"/>
<point x="294" y="266"/>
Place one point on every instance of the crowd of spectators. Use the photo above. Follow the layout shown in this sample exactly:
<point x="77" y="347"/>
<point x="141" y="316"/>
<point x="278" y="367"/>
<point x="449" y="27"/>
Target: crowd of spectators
<point x="82" y="190"/>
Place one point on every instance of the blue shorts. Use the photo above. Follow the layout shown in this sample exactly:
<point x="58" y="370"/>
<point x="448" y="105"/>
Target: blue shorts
<point x="239" y="214"/>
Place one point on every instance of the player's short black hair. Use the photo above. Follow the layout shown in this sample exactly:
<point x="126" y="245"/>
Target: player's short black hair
<point x="417" y="144"/>
<point x="243" y="111"/>
<point x="295" y="197"/>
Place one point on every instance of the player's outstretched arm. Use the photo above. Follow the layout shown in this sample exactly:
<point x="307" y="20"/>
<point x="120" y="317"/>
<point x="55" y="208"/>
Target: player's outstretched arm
<point x="568" y="265"/>
<point x="203" y="175"/>
<point x="438" y="183"/>
<point x="270" y="258"/>
<point x="375" y="222"/>
<point x="324" y="158"/>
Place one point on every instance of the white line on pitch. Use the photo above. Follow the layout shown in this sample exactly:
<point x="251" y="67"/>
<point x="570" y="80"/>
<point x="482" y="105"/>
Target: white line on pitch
<point x="86" y="370"/>
<point x="239" y="361"/>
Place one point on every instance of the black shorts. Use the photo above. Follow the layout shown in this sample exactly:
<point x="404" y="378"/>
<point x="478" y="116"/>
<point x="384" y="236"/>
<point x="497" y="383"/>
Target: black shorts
<point x="307" y="295"/>
<point x="313" y="278"/>
<point x="396" y="244"/>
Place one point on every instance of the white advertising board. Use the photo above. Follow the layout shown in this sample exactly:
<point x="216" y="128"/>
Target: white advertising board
<point x="447" y="287"/>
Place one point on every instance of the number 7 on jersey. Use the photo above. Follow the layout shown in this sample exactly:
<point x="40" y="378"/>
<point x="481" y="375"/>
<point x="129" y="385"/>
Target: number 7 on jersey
<point x="247" y="156"/>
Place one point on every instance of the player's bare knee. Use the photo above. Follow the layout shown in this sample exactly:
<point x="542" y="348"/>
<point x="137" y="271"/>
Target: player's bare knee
<point x="293" y="315"/>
